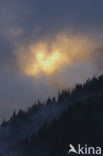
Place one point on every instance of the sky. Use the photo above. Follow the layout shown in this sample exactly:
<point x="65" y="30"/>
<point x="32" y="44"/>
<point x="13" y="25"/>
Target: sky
<point x="46" y="46"/>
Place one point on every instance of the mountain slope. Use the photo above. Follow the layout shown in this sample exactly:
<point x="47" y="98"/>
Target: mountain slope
<point x="84" y="102"/>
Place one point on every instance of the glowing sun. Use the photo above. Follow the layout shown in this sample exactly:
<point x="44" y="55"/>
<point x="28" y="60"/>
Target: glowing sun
<point x="48" y="63"/>
<point x="50" y="57"/>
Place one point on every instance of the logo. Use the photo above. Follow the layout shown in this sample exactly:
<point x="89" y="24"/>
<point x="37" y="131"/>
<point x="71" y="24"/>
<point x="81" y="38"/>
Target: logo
<point x="72" y="149"/>
<point x="85" y="150"/>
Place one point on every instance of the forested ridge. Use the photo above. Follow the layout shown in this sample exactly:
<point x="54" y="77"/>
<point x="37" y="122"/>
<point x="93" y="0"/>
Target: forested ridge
<point x="80" y="121"/>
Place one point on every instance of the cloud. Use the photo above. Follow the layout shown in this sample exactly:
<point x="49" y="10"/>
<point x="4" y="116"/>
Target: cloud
<point x="23" y="22"/>
<point x="50" y="57"/>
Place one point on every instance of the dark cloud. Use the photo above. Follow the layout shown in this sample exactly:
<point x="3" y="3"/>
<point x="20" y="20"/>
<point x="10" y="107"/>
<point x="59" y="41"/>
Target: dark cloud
<point x="23" y="21"/>
<point x="38" y="18"/>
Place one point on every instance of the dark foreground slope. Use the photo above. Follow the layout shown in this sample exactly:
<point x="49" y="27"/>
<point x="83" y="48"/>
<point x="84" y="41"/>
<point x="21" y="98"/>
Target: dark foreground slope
<point x="81" y="123"/>
<point x="48" y="129"/>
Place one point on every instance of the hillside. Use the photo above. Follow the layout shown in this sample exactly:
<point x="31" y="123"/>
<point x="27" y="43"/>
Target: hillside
<point x="48" y="128"/>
